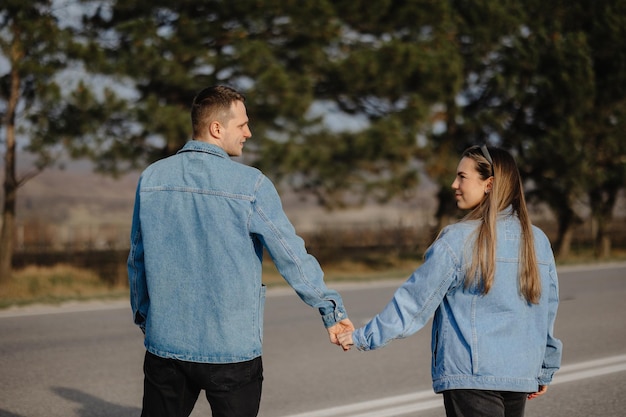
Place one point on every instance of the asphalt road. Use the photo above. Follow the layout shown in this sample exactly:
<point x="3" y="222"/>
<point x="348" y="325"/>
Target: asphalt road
<point x="85" y="360"/>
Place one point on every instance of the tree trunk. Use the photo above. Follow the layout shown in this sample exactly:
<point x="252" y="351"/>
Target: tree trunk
<point x="565" y="233"/>
<point x="564" y="247"/>
<point x="601" y="239"/>
<point x="603" y="201"/>
<point x="6" y="237"/>
<point x="10" y="180"/>
<point x="446" y="210"/>
<point x="605" y="249"/>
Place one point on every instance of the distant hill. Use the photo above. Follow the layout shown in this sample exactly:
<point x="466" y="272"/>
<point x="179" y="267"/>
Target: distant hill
<point x="76" y="203"/>
<point x="77" y="208"/>
<point x="75" y="196"/>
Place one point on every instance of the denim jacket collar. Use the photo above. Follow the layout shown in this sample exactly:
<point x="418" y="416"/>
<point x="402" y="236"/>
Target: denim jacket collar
<point x="199" y="146"/>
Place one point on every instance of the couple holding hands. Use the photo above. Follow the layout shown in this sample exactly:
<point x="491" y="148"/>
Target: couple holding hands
<point x="202" y="222"/>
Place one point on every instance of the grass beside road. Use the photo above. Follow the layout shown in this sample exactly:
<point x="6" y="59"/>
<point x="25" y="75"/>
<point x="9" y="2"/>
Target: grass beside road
<point x="62" y="283"/>
<point x="55" y="285"/>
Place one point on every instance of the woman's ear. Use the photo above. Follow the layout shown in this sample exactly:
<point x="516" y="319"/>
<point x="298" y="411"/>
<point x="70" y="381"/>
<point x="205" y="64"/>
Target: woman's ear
<point x="488" y="185"/>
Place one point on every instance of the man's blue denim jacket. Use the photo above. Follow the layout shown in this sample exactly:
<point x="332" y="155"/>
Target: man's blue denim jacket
<point x="200" y="223"/>
<point x="496" y="341"/>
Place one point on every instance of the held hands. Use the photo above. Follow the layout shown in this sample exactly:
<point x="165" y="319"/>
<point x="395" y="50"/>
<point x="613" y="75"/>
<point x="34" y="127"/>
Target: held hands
<point x="343" y="327"/>
<point x="345" y="340"/>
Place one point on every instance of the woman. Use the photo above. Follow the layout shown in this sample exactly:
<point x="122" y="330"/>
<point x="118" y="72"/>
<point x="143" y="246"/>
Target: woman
<point x="491" y="282"/>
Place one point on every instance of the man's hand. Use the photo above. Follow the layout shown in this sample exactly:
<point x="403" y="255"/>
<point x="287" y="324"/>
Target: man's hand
<point x="344" y="326"/>
<point x="542" y="390"/>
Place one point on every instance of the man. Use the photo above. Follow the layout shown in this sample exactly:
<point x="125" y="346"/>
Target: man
<point x="200" y="224"/>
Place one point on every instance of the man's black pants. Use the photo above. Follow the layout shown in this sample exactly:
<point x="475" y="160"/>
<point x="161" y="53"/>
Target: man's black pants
<point x="172" y="387"/>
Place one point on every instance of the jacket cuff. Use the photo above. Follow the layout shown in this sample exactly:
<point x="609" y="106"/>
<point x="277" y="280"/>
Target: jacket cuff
<point x="335" y="317"/>
<point x="359" y="340"/>
<point x="545" y="377"/>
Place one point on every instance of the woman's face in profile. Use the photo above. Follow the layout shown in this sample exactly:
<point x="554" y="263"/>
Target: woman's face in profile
<point x="469" y="188"/>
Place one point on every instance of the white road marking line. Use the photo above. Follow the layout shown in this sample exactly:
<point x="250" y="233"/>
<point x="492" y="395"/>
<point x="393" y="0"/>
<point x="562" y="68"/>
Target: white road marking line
<point x="425" y="400"/>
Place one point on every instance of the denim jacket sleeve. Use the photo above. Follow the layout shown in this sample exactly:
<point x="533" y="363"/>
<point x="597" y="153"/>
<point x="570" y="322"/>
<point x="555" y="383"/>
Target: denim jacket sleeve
<point x="414" y="302"/>
<point x="301" y="270"/>
<point x="139" y="300"/>
<point x="554" y="347"/>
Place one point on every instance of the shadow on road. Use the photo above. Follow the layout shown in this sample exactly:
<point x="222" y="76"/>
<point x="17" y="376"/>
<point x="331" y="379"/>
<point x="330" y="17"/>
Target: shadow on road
<point x="93" y="406"/>
<point x="4" y="413"/>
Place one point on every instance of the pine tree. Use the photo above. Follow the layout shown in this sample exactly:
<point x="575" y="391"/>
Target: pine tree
<point x="45" y="110"/>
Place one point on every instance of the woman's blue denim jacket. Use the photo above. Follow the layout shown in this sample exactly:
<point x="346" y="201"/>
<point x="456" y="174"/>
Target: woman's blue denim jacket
<point x="200" y="223"/>
<point x="496" y="341"/>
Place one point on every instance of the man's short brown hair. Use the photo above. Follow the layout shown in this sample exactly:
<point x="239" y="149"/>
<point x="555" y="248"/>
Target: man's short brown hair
<point x="212" y="104"/>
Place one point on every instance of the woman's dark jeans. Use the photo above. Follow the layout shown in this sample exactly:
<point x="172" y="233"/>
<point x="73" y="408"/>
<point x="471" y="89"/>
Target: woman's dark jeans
<point x="484" y="403"/>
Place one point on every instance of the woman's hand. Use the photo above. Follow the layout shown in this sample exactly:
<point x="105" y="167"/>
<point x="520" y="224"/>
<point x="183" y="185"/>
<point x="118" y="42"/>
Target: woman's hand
<point x="542" y="390"/>
<point x="345" y="340"/>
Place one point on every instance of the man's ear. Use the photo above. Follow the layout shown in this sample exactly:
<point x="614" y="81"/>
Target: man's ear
<point x="215" y="129"/>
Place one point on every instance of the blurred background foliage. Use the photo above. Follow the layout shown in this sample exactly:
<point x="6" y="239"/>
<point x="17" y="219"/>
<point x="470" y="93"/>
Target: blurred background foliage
<point x="350" y="101"/>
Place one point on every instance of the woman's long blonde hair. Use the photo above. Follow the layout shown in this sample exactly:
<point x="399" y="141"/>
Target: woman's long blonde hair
<point x="506" y="191"/>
